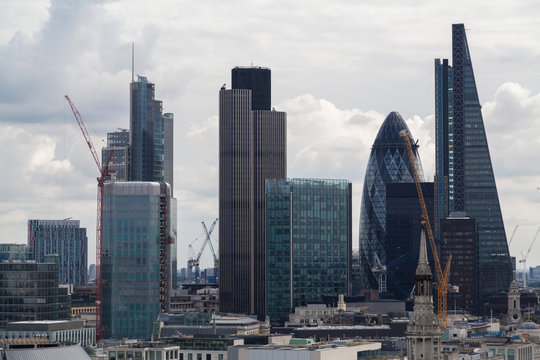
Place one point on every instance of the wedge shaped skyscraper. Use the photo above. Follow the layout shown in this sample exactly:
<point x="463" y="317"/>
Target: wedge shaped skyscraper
<point x="464" y="174"/>
<point x="388" y="162"/>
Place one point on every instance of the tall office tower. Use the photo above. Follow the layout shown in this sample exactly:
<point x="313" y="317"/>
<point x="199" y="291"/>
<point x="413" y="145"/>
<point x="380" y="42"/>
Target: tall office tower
<point x="252" y="148"/>
<point x="459" y="238"/>
<point x="423" y="333"/>
<point x="65" y="238"/>
<point x="309" y="242"/>
<point x="137" y="217"/>
<point x="119" y="163"/>
<point x="403" y="229"/>
<point x="29" y="290"/>
<point x="463" y="158"/>
<point x="151" y="135"/>
<point x="388" y="162"/>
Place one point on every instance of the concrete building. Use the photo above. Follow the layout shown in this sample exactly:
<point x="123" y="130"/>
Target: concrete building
<point x="423" y="333"/>
<point x="204" y="347"/>
<point x="73" y="331"/>
<point x="252" y="148"/>
<point x="303" y="349"/>
<point x="308" y="242"/>
<point x="144" y="351"/>
<point x="204" y="300"/>
<point x="30" y="291"/>
<point x="138" y="218"/>
<point x="65" y="238"/>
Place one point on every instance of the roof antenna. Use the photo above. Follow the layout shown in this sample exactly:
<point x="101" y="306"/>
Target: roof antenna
<point x="132" y="62"/>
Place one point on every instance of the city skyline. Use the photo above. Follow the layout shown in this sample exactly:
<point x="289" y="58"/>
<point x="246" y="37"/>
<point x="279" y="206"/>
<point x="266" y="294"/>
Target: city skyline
<point x="336" y="87"/>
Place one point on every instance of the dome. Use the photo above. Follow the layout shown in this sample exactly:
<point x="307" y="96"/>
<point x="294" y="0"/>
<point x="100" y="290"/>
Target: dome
<point x="389" y="132"/>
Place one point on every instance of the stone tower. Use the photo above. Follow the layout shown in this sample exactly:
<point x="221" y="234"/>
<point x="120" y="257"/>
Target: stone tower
<point x="514" y="310"/>
<point x="423" y="333"/>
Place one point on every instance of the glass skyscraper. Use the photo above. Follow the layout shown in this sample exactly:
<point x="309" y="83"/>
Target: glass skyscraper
<point x="133" y="220"/>
<point x="388" y="162"/>
<point x="151" y="134"/>
<point x="119" y="164"/>
<point x="65" y="238"/>
<point x="464" y="174"/>
<point x="309" y="242"/>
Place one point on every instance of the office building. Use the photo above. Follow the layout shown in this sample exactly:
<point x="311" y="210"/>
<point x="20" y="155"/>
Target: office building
<point x="16" y="252"/>
<point x="151" y="133"/>
<point x="388" y="162"/>
<point x="30" y="291"/>
<point x="117" y="141"/>
<point x="137" y="218"/>
<point x="74" y="331"/>
<point x="464" y="174"/>
<point x="423" y="333"/>
<point x="65" y="238"/>
<point x="403" y="228"/>
<point x="458" y="234"/>
<point x="309" y="242"/>
<point x="252" y="148"/>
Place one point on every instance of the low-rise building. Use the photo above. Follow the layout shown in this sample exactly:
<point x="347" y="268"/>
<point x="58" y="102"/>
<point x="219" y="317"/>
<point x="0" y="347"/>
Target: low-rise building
<point x="203" y="300"/>
<point x="204" y="347"/>
<point x="72" y="331"/>
<point x="145" y="351"/>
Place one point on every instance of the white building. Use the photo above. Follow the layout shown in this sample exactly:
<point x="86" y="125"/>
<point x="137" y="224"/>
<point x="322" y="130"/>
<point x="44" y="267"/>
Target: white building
<point x="73" y="331"/>
<point x="144" y="351"/>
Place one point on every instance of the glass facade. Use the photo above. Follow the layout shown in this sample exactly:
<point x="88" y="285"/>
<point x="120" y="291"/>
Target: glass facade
<point x="309" y="242"/>
<point x="471" y="182"/>
<point x="119" y="142"/>
<point x="131" y="262"/>
<point x="29" y="291"/>
<point x="65" y="238"/>
<point x="16" y="252"/>
<point x="388" y="162"/>
<point x="258" y="80"/>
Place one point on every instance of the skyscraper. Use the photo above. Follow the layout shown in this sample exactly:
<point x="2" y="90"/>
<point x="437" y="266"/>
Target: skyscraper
<point x="403" y="228"/>
<point x="136" y="218"/>
<point x="65" y="238"/>
<point x="151" y="135"/>
<point x="464" y="174"/>
<point x="388" y="162"/>
<point x="309" y="242"/>
<point x="119" y="163"/>
<point x="252" y="148"/>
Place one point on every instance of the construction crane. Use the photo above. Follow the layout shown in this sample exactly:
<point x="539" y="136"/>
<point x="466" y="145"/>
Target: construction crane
<point x="512" y="237"/>
<point x="442" y="277"/>
<point x="104" y="176"/>
<point x="194" y="261"/>
<point x="523" y="259"/>
<point x="379" y="270"/>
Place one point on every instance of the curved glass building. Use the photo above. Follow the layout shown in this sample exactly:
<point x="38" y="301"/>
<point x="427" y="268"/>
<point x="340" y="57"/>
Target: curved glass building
<point x="388" y="162"/>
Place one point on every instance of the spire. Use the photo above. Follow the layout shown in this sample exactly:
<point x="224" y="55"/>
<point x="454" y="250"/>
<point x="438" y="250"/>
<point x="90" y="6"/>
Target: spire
<point x="423" y="262"/>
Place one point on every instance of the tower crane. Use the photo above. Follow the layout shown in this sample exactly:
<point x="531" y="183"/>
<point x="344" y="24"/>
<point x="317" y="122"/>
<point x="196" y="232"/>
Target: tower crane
<point x="512" y="237"/>
<point x="104" y="176"/>
<point x="523" y="259"/>
<point x="194" y="262"/>
<point x="442" y="276"/>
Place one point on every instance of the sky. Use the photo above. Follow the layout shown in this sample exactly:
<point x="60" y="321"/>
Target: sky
<point x="338" y="68"/>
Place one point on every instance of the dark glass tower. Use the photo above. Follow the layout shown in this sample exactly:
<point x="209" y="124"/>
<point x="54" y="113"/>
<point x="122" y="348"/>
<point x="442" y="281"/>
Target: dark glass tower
<point x="309" y="242"/>
<point x="463" y="156"/>
<point x="388" y="162"/>
<point x="151" y="135"/>
<point x="252" y="148"/>
<point x="256" y="79"/>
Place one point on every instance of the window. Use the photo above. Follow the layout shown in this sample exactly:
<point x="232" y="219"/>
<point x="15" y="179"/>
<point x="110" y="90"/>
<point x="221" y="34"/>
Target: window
<point x="208" y="357"/>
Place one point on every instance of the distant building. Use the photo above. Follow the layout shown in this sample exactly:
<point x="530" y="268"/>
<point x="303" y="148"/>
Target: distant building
<point x="206" y="346"/>
<point x="65" y="238"/>
<point x="136" y="215"/>
<point x="309" y="242"/>
<point x="252" y="148"/>
<point x="29" y="349"/>
<point x="458" y="234"/>
<point x="388" y="162"/>
<point x="16" y="252"/>
<point x="73" y="331"/>
<point x="145" y="350"/>
<point x="151" y="133"/>
<point x="204" y="300"/>
<point x="117" y="141"/>
<point x="423" y="333"/>
<point x="30" y="291"/>
<point x="464" y="176"/>
<point x="403" y="228"/>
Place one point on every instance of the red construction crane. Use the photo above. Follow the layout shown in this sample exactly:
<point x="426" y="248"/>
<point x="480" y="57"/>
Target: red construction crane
<point x="442" y="277"/>
<point x="104" y="172"/>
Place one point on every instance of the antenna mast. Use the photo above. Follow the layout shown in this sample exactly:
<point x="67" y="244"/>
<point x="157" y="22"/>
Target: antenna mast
<point x="132" y="62"/>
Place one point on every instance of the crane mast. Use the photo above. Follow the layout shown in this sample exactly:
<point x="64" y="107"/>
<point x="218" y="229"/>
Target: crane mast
<point x="442" y="277"/>
<point x="104" y="175"/>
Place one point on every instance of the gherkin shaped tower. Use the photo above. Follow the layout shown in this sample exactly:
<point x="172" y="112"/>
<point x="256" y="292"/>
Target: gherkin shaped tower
<point x="388" y="162"/>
